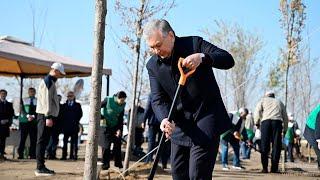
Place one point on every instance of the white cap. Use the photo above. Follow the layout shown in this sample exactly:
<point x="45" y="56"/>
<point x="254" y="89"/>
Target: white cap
<point x="59" y="67"/>
<point x="269" y="92"/>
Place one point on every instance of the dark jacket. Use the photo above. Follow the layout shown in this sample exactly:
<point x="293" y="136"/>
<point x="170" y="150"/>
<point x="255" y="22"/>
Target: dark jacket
<point x="149" y="114"/>
<point x="6" y="115"/>
<point x="234" y="128"/>
<point x="71" y="116"/>
<point x="200" y="114"/>
<point x="312" y="135"/>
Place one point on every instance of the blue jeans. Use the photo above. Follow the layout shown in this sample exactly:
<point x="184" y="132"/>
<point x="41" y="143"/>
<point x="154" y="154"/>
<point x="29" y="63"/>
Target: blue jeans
<point x="245" y="150"/>
<point x="224" y="154"/>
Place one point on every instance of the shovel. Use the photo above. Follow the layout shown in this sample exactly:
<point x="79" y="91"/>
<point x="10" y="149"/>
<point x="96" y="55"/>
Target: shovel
<point x="183" y="78"/>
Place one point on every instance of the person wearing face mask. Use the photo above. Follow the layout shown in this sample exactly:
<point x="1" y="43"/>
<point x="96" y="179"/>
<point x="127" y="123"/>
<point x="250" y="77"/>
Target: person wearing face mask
<point x="28" y="124"/>
<point x="6" y="115"/>
<point x="71" y="115"/>
<point x="47" y="110"/>
<point x="111" y="126"/>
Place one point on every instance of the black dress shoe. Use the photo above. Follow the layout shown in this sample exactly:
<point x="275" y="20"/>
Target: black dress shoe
<point x="264" y="171"/>
<point x="119" y="165"/>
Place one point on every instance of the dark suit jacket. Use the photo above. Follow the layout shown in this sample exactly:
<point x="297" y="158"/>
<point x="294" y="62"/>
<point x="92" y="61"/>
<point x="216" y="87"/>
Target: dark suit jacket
<point x="200" y="115"/>
<point x="149" y="114"/>
<point x="71" y="116"/>
<point x="6" y="113"/>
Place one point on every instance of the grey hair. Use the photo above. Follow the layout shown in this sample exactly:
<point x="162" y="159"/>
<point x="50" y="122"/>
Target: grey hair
<point x="157" y="24"/>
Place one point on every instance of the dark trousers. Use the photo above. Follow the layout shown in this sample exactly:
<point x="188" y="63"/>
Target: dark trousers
<point x="43" y="136"/>
<point x="106" y="153"/>
<point x="193" y="162"/>
<point x="53" y="143"/>
<point x="290" y="152"/>
<point x="152" y="141"/>
<point x="29" y="128"/>
<point x="271" y="133"/>
<point x="138" y="137"/>
<point x="2" y="144"/>
<point x="73" y="145"/>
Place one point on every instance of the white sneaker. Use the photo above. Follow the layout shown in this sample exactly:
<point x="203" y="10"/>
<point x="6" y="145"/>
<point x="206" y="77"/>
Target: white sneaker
<point x="237" y="167"/>
<point x="225" y="168"/>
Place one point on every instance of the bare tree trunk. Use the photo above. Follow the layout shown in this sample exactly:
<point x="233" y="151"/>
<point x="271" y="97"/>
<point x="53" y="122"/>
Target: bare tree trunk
<point x="135" y="83"/>
<point x="90" y="166"/>
<point x="286" y="84"/>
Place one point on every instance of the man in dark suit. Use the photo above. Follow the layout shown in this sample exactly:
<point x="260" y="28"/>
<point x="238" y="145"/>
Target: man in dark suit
<point x="200" y="115"/>
<point x="71" y="115"/>
<point x="153" y="131"/>
<point x="6" y="115"/>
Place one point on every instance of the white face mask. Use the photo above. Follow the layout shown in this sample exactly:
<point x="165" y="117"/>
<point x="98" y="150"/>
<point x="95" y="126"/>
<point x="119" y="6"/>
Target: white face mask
<point x="290" y="124"/>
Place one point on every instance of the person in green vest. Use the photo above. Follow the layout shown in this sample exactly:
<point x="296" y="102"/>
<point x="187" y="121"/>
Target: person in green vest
<point x="111" y="126"/>
<point x="312" y="131"/>
<point x="289" y="138"/>
<point x="28" y="124"/>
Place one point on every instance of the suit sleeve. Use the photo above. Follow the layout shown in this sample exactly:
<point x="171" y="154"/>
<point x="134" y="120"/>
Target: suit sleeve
<point x="160" y="103"/>
<point x="11" y="114"/>
<point x="80" y="112"/>
<point x="215" y="57"/>
<point x="148" y="111"/>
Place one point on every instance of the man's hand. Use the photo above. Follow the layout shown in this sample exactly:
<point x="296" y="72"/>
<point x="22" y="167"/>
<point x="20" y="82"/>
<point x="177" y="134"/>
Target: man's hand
<point x="30" y="117"/>
<point x="49" y="122"/>
<point x="118" y="133"/>
<point x="236" y="134"/>
<point x="4" y="121"/>
<point x="192" y="61"/>
<point x="167" y="127"/>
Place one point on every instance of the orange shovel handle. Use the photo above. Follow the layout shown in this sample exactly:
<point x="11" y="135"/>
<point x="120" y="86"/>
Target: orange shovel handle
<point x="183" y="76"/>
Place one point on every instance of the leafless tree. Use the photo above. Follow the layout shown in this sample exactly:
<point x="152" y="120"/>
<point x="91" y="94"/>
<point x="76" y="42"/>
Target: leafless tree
<point x="90" y="166"/>
<point x="292" y="22"/>
<point x="244" y="47"/>
<point x="134" y="14"/>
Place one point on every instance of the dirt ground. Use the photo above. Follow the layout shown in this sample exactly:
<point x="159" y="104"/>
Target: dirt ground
<point x="24" y="169"/>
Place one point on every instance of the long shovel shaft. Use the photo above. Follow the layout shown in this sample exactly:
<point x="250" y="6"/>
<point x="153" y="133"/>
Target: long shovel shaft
<point x="162" y="140"/>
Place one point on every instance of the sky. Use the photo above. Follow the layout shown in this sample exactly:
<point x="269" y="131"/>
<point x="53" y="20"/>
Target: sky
<point x="67" y="26"/>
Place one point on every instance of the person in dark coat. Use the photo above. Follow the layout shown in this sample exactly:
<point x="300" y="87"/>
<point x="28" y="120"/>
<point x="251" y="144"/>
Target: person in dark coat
<point x="6" y="115"/>
<point x="138" y="132"/>
<point x="28" y="124"/>
<point x="312" y="131"/>
<point x="111" y="127"/>
<point x="200" y="115"/>
<point x="153" y="131"/>
<point x="71" y="115"/>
